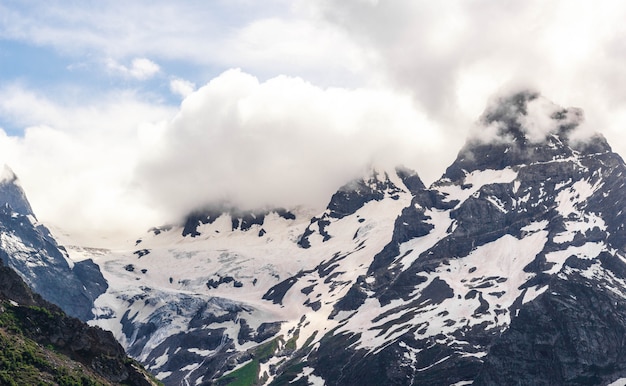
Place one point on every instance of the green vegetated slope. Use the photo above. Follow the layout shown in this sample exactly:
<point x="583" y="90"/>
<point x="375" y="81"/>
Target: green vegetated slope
<point x="40" y="345"/>
<point x="250" y="373"/>
<point x="24" y="362"/>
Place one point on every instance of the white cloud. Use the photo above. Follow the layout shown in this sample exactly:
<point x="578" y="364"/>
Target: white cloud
<point x="279" y="142"/>
<point x="453" y="55"/>
<point x="182" y="87"/>
<point x="140" y="68"/>
<point x="118" y="165"/>
<point x="298" y="46"/>
<point x="76" y="161"/>
<point x="539" y="121"/>
<point x="268" y="38"/>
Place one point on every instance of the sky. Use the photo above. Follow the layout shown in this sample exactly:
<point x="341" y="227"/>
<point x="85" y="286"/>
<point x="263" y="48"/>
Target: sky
<point x="119" y="116"/>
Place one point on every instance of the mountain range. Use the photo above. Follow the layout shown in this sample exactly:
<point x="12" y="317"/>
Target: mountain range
<point x="509" y="269"/>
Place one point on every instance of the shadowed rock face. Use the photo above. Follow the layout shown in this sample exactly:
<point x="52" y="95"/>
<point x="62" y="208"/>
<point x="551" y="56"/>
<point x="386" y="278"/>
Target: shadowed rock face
<point x="241" y="220"/>
<point x="12" y="193"/>
<point x="573" y="334"/>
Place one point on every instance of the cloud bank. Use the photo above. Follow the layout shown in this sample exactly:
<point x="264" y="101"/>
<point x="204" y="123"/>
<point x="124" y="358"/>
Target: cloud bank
<point x="280" y="142"/>
<point x="182" y="87"/>
<point x="452" y="56"/>
<point x="105" y="169"/>
<point x="76" y="162"/>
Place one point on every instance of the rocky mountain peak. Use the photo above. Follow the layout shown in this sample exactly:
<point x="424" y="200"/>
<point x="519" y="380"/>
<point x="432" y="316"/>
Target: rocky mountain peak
<point x="526" y="116"/>
<point x="7" y="174"/>
<point x="29" y="248"/>
<point x="524" y="128"/>
<point x="374" y="185"/>
<point x="12" y="194"/>
<point x="242" y="220"/>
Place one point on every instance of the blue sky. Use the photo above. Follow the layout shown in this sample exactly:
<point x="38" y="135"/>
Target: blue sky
<point x="135" y="112"/>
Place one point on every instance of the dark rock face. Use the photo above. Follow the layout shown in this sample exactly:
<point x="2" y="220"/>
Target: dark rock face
<point x="30" y="249"/>
<point x="204" y="339"/>
<point x="277" y="292"/>
<point x="194" y="220"/>
<point x="390" y="366"/>
<point x="241" y="220"/>
<point x="413" y="222"/>
<point x="223" y="280"/>
<point x="352" y="196"/>
<point x="88" y="273"/>
<point x="572" y="335"/>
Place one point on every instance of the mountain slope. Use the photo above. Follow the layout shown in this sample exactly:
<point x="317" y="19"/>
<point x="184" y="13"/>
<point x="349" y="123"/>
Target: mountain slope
<point x="28" y="247"/>
<point x="232" y="286"/>
<point x="41" y="344"/>
<point x="514" y="221"/>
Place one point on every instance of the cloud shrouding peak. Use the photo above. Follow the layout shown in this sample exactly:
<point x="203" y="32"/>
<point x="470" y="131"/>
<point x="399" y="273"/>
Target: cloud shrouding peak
<point x="75" y="162"/>
<point x="279" y="142"/>
<point x="527" y="115"/>
<point x="452" y="56"/>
